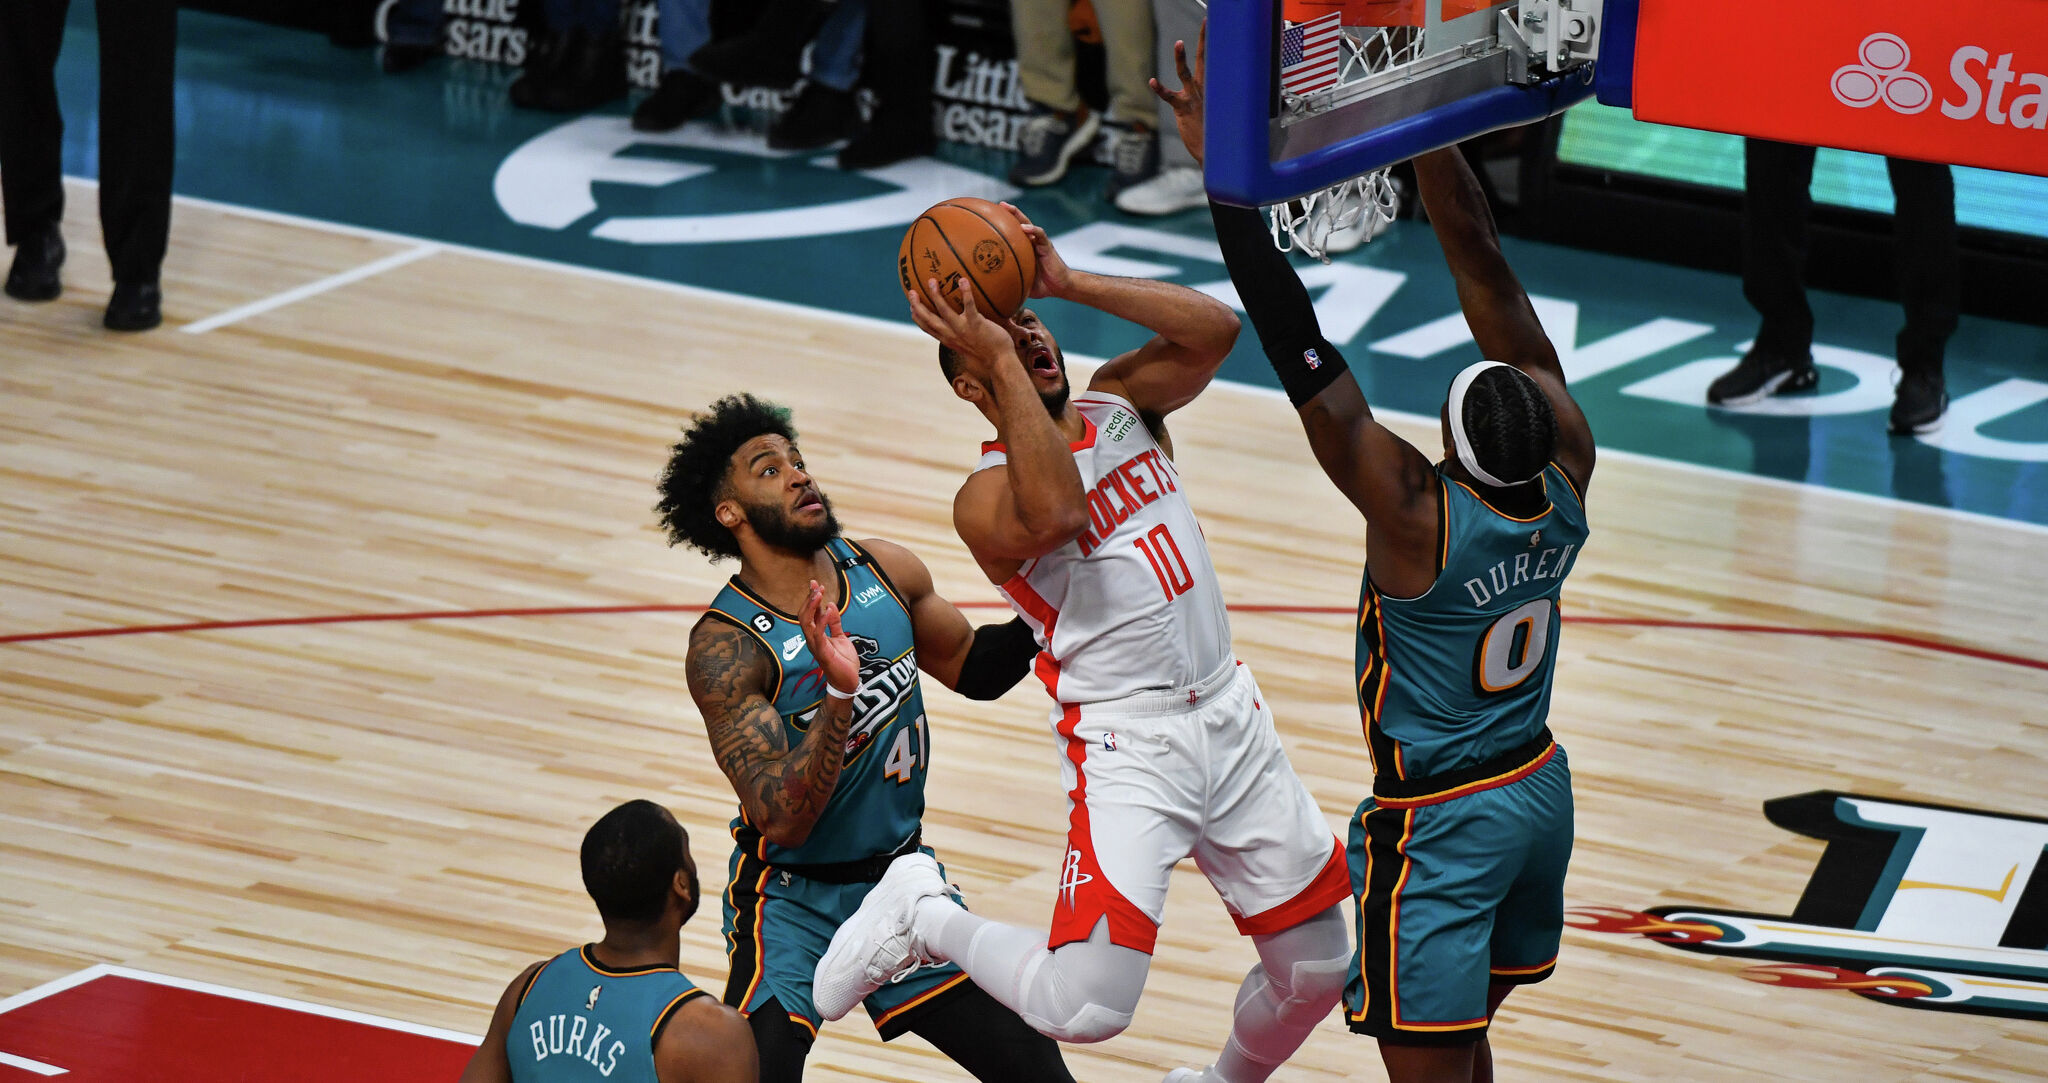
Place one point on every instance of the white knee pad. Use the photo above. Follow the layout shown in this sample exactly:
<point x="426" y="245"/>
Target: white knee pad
<point x="1092" y="1023"/>
<point x="1312" y="990"/>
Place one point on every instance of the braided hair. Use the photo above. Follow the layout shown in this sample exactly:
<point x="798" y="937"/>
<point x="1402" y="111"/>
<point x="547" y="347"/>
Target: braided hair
<point x="1509" y="422"/>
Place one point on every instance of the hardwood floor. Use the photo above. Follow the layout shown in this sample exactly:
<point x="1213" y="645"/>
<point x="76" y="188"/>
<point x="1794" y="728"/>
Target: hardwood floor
<point x="384" y="816"/>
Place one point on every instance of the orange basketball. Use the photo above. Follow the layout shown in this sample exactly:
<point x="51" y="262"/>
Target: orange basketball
<point x="973" y="240"/>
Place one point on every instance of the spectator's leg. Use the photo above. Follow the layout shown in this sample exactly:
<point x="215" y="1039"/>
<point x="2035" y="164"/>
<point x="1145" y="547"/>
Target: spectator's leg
<point x="685" y="28"/>
<point x="899" y="67"/>
<point x="1775" y="207"/>
<point x="1177" y="186"/>
<point x="588" y="59"/>
<point x="414" y="23"/>
<point x="836" y="51"/>
<point x="1924" y="216"/>
<point x="1127" y="48"/>
<point x="770" y="54"/>
<point x="138" y="54"/>
<point x="31" y="128"/>
<point x="1045" y="53"/>
<point x="826" y="111"/>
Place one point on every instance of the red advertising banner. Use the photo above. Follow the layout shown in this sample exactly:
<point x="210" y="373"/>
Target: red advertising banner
<point x="1964" y="82"/>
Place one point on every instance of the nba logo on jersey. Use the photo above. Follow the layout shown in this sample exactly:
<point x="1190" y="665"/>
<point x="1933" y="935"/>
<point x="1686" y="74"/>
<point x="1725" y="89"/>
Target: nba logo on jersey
<point x="1108" y="742"/>
<point x="1310" y="356"/>
<point x="590" y="1002"/>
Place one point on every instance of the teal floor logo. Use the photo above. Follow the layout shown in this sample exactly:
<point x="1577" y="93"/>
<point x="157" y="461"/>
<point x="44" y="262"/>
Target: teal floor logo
<point x="551" y="182"/>
<point x="1926" y="906"/>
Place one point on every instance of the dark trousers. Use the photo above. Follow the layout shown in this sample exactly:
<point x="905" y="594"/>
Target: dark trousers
<point x="414" y="22"/>
<point x="1776" y="204"/>
<point x="138" y="43"/>
<point x="595" y="17"/>
<point x="900" y="62"/>
<point x="965" y="1023"/>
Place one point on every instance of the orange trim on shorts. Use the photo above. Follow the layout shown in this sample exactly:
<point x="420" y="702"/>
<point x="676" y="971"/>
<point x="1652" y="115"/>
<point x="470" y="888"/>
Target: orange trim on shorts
<point x="804" y="1023"/>
<point x="1331" y="886"/>
<point x="899" y="1009"/>
<point x="1519" y="971"/>
<point x="1394" y="919"/>
<point x="1492" y="783"/>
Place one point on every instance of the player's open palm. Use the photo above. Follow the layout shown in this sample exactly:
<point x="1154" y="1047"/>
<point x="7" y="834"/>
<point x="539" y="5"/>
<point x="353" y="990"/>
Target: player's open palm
<point x="1186" y="102"/>
<point x="1054" y="275"/>
<point x="829" y="643"/>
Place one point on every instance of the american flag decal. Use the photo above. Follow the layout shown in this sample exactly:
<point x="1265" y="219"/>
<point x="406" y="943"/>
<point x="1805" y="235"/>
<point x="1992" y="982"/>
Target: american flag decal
<point x="1308" y="54"/>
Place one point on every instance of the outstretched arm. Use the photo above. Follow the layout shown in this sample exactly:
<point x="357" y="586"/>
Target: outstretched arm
<point x="1382" y="475"/>
<point x="1191" y="332"/>
<point x="979" y="663"/>
<point x="1497" y="309"/>
<point x="782" y="789"/>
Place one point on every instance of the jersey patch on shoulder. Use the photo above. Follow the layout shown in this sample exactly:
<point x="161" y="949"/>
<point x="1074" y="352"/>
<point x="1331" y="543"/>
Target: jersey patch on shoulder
<point x="763" y="623"/>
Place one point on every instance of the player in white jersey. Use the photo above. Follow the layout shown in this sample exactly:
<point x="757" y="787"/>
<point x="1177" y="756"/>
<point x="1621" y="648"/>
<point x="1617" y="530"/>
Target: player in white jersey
<point x="1167" y="748"/>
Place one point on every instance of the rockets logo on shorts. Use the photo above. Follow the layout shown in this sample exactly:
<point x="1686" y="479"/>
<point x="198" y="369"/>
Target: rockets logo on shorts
<point x="1072" y="878"/>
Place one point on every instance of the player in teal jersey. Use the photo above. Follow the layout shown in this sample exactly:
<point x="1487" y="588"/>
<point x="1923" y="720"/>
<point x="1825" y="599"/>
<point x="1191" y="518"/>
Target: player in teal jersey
<point x="1458" y="858"/>
<point x="619" y="1010"/>
<point x="806" y="670"/>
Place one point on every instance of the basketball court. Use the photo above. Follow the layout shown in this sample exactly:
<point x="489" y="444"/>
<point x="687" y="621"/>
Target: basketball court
<point x="332" y="612"/>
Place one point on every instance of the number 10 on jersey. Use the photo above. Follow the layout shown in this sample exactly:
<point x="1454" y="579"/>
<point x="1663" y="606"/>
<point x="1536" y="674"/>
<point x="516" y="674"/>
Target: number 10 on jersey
<point x="1167" y="563"/>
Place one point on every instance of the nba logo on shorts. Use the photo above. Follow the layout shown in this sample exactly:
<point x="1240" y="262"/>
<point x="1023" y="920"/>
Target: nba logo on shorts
<point x="1109" y="742"/>
<point x="1314" y="361"/>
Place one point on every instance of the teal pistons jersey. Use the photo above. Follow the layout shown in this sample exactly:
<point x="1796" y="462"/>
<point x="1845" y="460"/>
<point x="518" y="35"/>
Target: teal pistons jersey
<point x="1461" y="674"/>
<point x="879" y="801"/>
<point x="580" y="1021"/>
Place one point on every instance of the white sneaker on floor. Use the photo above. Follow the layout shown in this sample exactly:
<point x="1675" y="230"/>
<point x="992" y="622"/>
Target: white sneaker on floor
<point x="873" y="947"/>
<point x="1190" y="1075"/>
<point x="1172" y="190"/>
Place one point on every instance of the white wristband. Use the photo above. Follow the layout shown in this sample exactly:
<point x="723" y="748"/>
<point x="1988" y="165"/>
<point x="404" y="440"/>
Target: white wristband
<point x="836" y="693"/>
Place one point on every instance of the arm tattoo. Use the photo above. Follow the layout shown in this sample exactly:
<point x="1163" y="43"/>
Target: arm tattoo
<point x="782" y="789"/>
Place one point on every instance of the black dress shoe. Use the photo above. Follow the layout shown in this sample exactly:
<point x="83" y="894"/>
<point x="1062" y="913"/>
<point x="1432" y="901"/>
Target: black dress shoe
<point x="36" y="260"/>
<point x="400" y="58"/>
<point x="683" y="95"/>
<point x="820" y="116"/>
<point x="135" y="306"/>
<point x="886" y="142"/>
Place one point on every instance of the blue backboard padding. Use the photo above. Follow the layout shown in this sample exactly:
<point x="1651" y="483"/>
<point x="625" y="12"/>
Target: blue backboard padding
<point x="1614" y="76"/>
<point x="1237" y="132"/>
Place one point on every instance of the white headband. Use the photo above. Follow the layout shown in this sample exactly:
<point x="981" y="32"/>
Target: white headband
<point x="1459" y="386"/>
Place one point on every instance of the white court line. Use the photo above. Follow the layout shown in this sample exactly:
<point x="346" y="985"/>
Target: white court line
<point x="310" y="289"/>
<point x="36" y="1066"/>
<point x="910" y="331"/>
<point x="106" y="970"/>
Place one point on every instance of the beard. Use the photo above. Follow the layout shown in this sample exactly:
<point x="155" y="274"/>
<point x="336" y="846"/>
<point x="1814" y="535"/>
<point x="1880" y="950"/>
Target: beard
<point x="772" y="525"/>
<point x="1056" y="401"/>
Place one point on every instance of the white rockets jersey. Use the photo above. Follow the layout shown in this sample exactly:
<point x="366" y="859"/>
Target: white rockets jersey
<point x="1132" y="604"/>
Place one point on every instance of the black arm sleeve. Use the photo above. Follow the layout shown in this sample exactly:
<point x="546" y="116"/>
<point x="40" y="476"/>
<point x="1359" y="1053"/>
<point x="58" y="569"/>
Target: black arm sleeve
<point x="1000" y="657"/>
<point x="1278" y="304"/>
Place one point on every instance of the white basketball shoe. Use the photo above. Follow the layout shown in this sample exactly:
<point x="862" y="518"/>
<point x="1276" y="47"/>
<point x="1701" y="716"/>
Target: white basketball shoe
<point x="874" y="947"/>
<point x="1191" y="1075"/>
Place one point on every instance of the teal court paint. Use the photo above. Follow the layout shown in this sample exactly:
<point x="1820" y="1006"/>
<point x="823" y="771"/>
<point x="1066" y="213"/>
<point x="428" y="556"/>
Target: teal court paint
<point x="280" y="121"/>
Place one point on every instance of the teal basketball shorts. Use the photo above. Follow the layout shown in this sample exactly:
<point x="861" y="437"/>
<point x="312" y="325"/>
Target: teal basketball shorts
<point x="1454" y="896"/>
<point x="777" y="925"/>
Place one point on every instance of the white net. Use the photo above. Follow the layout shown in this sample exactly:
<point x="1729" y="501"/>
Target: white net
<point x="1352" y="212"/>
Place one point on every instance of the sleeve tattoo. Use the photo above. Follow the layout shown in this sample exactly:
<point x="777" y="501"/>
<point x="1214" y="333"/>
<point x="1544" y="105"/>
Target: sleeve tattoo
<point x="783" y="789"/>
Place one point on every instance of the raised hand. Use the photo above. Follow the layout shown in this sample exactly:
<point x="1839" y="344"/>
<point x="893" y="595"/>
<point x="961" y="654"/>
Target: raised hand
<point x="967" y="332"/>
<point x="1186" y="102"/>
<point x="829" y="643"/>
<point x="1054" y="276"/>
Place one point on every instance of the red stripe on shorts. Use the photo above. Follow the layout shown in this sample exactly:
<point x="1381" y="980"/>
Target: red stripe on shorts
<point x="1085" y="895"/>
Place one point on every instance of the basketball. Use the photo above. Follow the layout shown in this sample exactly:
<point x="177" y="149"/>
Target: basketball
<point x="972" y="239"/>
